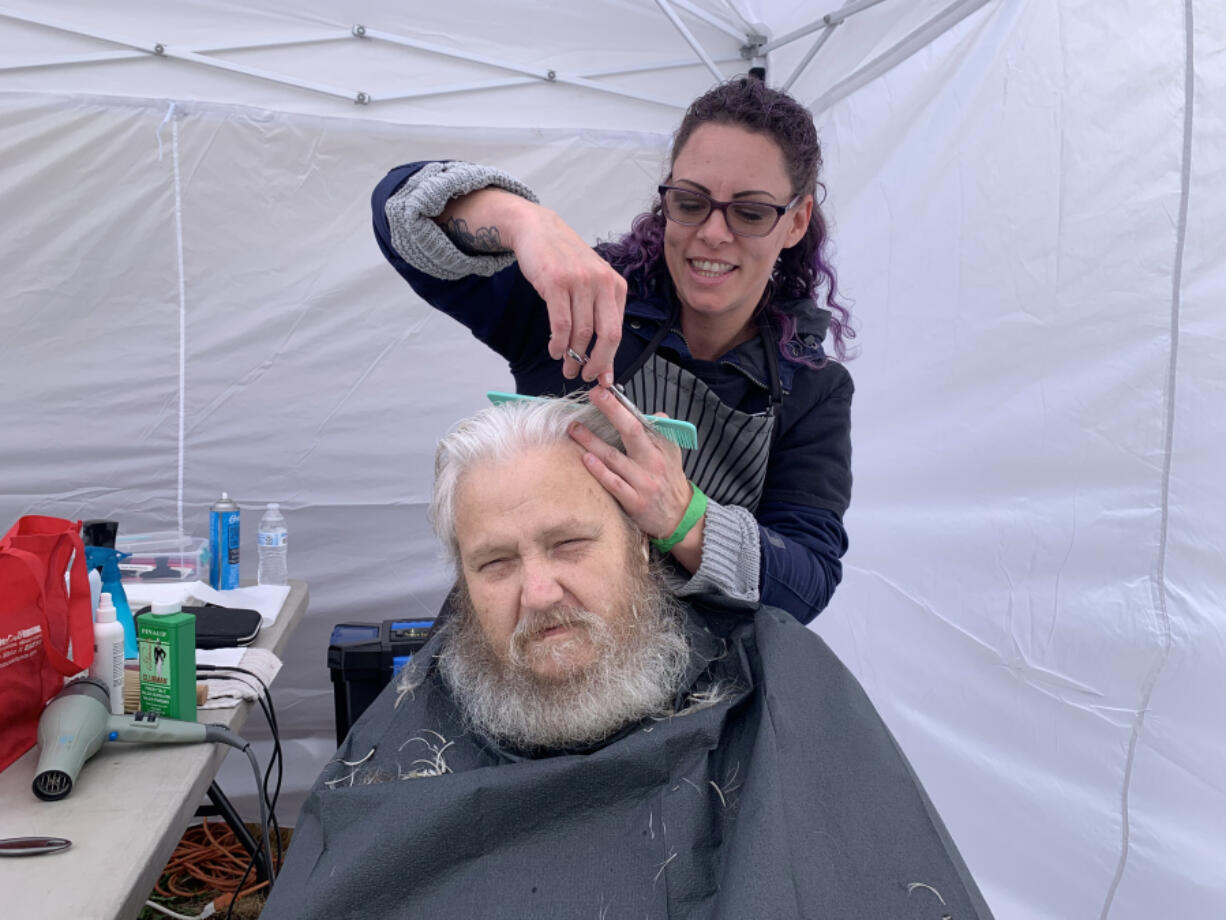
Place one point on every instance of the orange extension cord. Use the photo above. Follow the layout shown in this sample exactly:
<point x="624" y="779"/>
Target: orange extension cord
<point x="208" y="858"/>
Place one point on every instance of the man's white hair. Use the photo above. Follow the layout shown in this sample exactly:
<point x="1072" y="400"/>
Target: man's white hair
<point x="497" y="434"/>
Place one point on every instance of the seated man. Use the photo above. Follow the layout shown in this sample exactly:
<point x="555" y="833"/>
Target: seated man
<point x="575" y="743"/>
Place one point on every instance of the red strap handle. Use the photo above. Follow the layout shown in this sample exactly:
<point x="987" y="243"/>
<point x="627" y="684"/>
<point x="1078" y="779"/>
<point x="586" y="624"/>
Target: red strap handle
<point x="80" y="620"/>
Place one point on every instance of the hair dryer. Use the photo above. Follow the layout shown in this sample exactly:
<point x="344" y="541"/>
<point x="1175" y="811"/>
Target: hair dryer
<point x="77" y="721"/>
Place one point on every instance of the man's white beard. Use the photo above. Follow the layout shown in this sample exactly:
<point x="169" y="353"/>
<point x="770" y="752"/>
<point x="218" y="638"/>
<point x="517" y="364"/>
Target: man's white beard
<point x="640" y="656"/>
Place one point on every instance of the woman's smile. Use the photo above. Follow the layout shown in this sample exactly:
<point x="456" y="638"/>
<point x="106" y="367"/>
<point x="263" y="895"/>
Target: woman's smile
<point x="708" y="268"/>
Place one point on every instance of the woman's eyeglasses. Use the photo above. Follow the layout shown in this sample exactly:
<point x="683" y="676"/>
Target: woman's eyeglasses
<point x="691" y="208"/>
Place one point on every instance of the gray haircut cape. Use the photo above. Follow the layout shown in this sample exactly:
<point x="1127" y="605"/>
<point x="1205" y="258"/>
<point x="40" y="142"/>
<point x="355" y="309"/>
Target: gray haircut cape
<point x="788" y="798"/>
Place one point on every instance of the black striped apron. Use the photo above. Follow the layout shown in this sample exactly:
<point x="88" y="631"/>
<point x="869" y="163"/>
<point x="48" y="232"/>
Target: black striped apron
<point x="729" y="464"/>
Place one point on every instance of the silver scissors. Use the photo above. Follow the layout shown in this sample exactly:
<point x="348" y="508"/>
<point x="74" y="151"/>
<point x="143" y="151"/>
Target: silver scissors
<point x="679" y="431"/>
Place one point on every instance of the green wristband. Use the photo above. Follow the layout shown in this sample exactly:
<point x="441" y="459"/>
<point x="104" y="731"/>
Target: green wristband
<point x="693" y="514"/>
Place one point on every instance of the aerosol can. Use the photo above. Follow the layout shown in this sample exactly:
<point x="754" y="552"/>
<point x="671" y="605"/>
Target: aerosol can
<point x="223" y="543"/>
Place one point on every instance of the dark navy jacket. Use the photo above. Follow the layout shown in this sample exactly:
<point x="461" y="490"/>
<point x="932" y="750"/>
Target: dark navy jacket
<point x="808" y="479"/>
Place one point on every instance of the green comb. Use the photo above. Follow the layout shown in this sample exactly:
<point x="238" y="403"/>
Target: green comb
<point x="680" y="432"/>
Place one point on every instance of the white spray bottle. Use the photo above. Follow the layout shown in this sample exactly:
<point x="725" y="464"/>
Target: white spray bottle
<point x="95" y="591"/>
<point x="108" y="653"/>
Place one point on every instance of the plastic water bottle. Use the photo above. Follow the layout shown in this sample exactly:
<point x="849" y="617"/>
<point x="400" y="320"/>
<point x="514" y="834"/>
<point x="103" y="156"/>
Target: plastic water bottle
<point x="274" y="546"/>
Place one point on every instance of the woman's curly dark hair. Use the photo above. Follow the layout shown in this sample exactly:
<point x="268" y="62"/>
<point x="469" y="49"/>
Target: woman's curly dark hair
<point x="803" y="270"/>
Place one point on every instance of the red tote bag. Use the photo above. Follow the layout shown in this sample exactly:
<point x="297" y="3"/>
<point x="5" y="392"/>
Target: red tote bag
<point x="42" y="623"/>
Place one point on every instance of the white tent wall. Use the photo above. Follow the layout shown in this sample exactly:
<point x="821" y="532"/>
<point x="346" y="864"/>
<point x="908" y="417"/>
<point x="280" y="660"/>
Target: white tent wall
<point x="1026" y="351"/>
<point x="1178" y="792"/>
<point x="1027" y="214"/>
<point x="1040" y="281"/>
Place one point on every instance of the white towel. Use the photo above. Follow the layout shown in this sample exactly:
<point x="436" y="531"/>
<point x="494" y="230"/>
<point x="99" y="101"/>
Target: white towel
<point x="227" y="689"/>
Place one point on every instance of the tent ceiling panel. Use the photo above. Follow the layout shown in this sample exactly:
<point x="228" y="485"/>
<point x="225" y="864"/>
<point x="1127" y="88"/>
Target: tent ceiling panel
<point x="613" y="64"/>
<point x="864" y="45"/>
<point x="213" y="52"/>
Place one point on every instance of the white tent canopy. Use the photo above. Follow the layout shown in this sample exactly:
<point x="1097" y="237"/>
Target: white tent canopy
<point x="599" y="65"/>
<point x="1024" y="195"/>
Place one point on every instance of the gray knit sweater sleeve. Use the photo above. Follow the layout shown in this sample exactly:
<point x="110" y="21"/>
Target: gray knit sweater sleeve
<point x="421" y="242"/>
<point x="731" y="556"/>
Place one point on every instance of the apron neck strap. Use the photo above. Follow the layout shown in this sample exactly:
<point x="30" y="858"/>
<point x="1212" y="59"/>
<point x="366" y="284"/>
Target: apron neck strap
<point x="770" y="345"/>
<point x="661" y="332"/>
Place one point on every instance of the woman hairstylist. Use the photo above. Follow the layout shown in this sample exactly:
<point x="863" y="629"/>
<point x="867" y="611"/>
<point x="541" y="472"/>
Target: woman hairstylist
<point x="704" y="311"/>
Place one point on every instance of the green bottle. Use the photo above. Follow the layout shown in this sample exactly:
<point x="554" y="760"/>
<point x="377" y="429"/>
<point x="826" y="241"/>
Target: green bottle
<point x="167" y="638"/>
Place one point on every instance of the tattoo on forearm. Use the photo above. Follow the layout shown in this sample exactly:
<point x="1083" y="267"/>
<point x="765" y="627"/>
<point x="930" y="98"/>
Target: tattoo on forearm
<point x="486" y="239"/>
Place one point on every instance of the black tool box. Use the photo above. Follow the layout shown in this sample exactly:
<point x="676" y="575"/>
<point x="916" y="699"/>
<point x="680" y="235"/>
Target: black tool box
<point x="363" y="657"/>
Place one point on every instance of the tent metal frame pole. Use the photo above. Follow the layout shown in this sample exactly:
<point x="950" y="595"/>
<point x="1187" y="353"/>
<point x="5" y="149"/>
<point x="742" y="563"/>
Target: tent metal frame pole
<point x="548" y="76"/>
<point x="711" y="19"/>
<point x="161" y="50"/>
<point x="100" y="57"/>
<point x="103" y="57"/>
<point x="202" y="56"/>
<point x="809" y="55"/>
<point x="57" y="24"/>
<point x="323" y="88"/>
<point x="127" y="55"/>
<point x="405" y="42"/>
<point x="453" y="88"/>
<point x="920" y="37"/>
<point x="690" y="39"/>
<point x="663" y="65"/>
<point x="315" y="39"/>
<point x="525" y="81"/>
<point x="823" y="22"/>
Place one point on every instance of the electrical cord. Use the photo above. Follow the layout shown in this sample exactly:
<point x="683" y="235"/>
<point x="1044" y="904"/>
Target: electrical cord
<point x="222" y="735"/>
<point x="277" y="757"/>
<point x="268" y="819"/>
<point x="210" y="857"/>
<point x="208" y="911"/>
<point x="225" y="736"/>
<point x="270" y="714"/>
